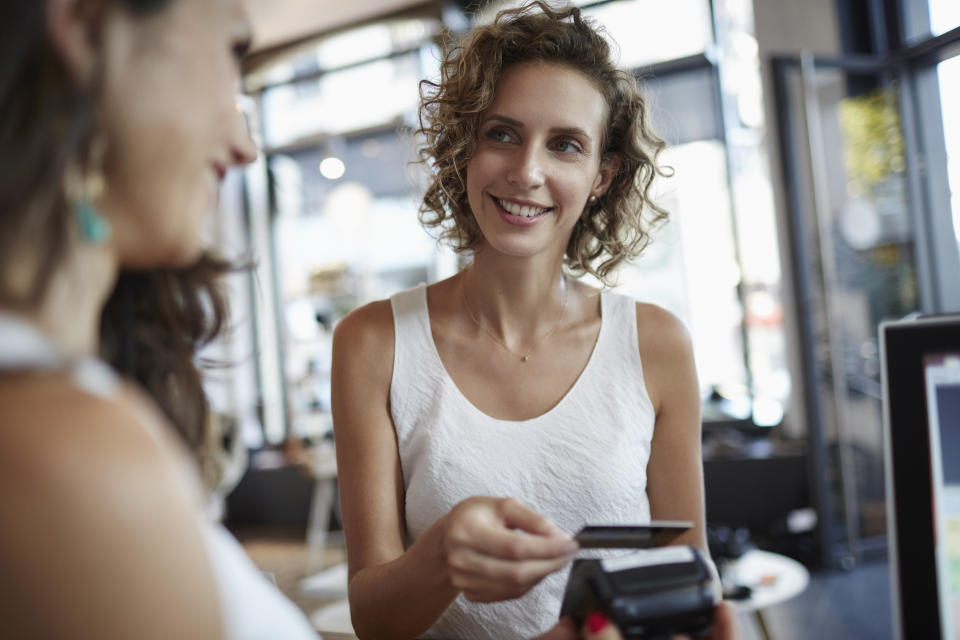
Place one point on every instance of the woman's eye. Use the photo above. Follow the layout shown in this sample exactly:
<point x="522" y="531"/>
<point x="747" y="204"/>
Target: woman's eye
<point x="498" y="135"/>
<point x="566" y="146"/>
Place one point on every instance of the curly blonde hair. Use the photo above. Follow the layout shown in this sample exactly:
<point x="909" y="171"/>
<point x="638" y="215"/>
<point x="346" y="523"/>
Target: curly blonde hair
<point x="614" y="228"/>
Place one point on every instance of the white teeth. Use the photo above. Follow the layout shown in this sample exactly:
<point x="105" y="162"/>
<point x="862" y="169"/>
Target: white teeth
<point x="521" y="210"/>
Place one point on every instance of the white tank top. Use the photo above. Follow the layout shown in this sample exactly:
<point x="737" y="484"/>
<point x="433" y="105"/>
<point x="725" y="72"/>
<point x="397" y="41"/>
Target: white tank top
<point x="251" y="607"/>
<point x="583" y="461"/>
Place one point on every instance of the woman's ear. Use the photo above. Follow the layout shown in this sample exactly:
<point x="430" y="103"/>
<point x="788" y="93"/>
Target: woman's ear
<point x="609" y="167"/>
<point x="72" y="27"/>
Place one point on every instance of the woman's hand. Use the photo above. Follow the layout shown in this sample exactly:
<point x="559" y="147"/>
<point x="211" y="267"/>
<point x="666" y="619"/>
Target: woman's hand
<point x="498" y="549"/>
<point x="595" y="627"/>
<point x="724" y="623"/>
<point x="598" y="627"/>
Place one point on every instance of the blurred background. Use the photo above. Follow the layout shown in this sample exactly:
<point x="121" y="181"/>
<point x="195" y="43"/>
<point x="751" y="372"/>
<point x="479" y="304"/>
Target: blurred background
<point x="816" y="149"/>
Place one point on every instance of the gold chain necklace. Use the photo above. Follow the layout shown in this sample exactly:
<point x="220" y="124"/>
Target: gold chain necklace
<point x="524" y="357"/>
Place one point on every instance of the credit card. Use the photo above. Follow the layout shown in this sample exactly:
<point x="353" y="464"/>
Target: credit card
<point x="654" y="534"/>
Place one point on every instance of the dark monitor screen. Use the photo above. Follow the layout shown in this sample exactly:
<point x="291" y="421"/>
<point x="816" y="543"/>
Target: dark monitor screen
<point x="942" y="377"/>
<point x="921" y="388"/>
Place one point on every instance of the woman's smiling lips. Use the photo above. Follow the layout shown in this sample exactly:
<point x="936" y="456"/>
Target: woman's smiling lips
<point x="523" y="214"/>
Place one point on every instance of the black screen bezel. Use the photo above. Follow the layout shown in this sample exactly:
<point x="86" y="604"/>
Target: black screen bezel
<point x="905" y="346"/>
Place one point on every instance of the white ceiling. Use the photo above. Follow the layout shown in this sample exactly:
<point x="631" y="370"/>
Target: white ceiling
<point x="277" y="22"/>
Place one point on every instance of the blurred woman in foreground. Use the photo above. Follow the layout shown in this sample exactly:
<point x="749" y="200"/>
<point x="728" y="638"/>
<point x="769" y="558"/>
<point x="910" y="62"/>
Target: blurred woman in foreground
<point x="117" y="123"/>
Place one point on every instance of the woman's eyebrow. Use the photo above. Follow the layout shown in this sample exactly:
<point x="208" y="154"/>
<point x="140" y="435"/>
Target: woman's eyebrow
<point x="506" y="120"/>
<point x="572" y="131"/>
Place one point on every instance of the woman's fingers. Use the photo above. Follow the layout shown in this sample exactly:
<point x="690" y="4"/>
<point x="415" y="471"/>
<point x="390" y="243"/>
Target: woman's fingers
<point x="516" y="515"/>
<point x="724" y="626"/>
<point x="517" y="545"/>
<point x="566" y="629"/>
<point x="482" y="578"/>
<point x="598" y="627"/>
<point x="724" y="623"/>
<point x="505" y="528"/>
<point x="497" y="549"/>
<point x="471" y="562"/>
<point x="525" y="534"/>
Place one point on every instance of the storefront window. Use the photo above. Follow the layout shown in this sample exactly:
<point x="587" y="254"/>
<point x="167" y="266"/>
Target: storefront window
<point x="380" y="92"/>
<point x="944" y="16"/>
<point x="343" y="238"/>
<point x="644" y="33"/>
<point x="948" y="73"/>
<point x="691" y="268"/>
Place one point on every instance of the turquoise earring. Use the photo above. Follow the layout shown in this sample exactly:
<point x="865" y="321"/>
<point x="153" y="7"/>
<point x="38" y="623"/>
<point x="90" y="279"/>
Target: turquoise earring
<point x="82" y="189"/>
<point x="94" y="228"/>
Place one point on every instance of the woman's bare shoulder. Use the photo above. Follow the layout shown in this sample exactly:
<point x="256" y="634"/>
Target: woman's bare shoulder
<point x="59" y="442"/>
<point x="42" y="406"/>
<point x="367" y="327"/>
<point x="660" y="333"/>
<point x="363" y="344"/>
<point x="96" y="519"/>
<point x="666" y="352"/>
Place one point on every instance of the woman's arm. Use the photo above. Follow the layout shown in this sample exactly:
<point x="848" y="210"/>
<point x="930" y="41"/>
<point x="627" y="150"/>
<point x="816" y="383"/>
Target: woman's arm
<point x="393" y="593"/>
<point x="475" y="549"/>
<point x="99" y="534"/>
<point x="675" y="469"/>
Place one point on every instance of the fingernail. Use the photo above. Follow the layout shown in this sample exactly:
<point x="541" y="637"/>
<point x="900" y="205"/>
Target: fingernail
<point x="596" y="621"/>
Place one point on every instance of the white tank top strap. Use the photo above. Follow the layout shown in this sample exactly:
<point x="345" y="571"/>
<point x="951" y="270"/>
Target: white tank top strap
<point x="411" y="320"/>
<point x="622" y="324"/>
<point x="24" y="347"/>
<point x="96" y="377"/>
<point x="414" y="367"/>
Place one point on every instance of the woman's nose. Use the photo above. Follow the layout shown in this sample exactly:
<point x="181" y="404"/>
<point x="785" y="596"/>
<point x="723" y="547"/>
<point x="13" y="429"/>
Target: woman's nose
<point x="243" y="150"/>
<point x="526" y="171"/>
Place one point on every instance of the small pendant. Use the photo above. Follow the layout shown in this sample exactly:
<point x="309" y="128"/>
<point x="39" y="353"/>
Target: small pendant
<point x="525" y="358"/>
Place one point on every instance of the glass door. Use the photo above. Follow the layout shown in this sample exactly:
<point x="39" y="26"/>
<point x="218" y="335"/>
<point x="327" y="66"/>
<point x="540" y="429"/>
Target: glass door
<point x="854" y="232"/>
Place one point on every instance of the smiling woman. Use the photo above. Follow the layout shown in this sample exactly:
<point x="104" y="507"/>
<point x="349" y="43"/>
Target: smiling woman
<point x="534" y="165"/>
<point x="482" y="420"/>
<point x="117" y="121"/>
<point x="614" y="226"/>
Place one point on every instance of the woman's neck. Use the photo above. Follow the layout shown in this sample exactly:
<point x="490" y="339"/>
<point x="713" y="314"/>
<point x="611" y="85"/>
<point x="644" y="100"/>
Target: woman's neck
<point x="69" y="313"/>
<point x="519" y="298"/>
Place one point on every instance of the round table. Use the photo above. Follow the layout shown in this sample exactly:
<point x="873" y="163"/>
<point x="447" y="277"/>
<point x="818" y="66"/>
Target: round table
<point x="773" y="579"/>
<point x="333" y="621"/>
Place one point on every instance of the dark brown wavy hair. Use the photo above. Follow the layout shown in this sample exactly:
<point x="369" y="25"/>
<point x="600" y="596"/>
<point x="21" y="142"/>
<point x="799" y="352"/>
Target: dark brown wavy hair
<point x="616" y="227"/>
<point x="152" y="327"/>
<point x="155" y="321"/>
